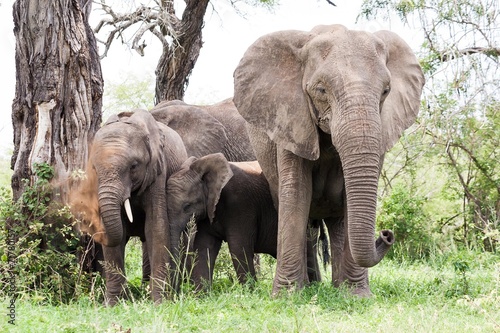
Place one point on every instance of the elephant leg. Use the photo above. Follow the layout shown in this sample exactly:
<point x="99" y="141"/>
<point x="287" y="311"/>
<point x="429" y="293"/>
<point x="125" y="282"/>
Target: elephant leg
<point x="336" y="231"/>
<point x="242" y="255"/>
<point x="146" y="267"/>
<point x="156" y="245"/>
<point x="256" y="263"/>
<point x="207" y="248"/>
<point x="313" y="270"/>
<point x="355" y="276"/>
<point x="294" y="197"/>
<point x="344" y="270"/>
<point x="114" y="269"/>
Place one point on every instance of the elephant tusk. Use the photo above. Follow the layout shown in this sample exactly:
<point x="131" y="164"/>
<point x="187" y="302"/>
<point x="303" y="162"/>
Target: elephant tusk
<point x="128" y="210"/>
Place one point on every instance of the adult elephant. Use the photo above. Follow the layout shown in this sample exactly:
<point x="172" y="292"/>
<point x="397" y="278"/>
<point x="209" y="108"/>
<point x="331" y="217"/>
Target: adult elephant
<point x="208" y="129"/>
<point x="323" y="107"/>
<point x="231" y="202"/>
<point x="124" y="194"/>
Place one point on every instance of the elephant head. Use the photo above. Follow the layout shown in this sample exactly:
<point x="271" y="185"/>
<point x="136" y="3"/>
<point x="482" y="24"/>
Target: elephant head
<point x="125" y="158"/>
<point x="359" y="88"/>
<point x="195" y="190"/>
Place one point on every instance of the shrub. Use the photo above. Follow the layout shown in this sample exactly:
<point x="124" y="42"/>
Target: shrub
<point x="402" y="212"/>
<point x="39" y="244"/>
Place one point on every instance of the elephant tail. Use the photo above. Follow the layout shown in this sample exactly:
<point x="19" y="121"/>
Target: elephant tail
<point x="323" y="239"/>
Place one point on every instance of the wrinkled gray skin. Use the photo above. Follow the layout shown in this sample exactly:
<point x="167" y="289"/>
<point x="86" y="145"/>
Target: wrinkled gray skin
<point x="231" y="202"/>
<point x="132" y="158"/>
<point x="223" y="130"/>
<point x="207" y="129"/>
<point x="323" y="107"/>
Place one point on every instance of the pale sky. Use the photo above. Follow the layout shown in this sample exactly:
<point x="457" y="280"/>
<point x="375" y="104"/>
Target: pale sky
<point x="226" y="37"/>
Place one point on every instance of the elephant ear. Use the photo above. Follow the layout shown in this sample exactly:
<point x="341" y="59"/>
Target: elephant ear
<point x="268" y="92"/>
<point x="400" y="108"/>
<point x="150" y="132"/>
<point x="215" y="172"/>
<point x="201" y="133"/>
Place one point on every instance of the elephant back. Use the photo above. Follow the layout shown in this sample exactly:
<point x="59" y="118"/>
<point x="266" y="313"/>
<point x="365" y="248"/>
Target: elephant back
<point x="238" y="147"/>
<point x="207" y="129"/>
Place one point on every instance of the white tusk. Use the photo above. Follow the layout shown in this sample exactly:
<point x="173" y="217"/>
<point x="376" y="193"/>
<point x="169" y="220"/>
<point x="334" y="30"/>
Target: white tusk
<point x="128" y="210"/>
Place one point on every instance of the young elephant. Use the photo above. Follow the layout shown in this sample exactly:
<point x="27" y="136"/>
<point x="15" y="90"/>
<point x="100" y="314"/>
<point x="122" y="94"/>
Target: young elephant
<point x="231" y="202"/>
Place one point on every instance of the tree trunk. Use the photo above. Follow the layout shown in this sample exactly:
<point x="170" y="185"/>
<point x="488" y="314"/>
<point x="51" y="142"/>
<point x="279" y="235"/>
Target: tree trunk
<point x="57" y="105"/>
<point x="178" y="60"/>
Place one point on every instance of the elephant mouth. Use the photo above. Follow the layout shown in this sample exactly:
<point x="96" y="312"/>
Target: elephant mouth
<point x="321" y="114"/>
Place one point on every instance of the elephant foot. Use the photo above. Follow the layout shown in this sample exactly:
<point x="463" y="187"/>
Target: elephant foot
<point x="355" y="289"/>
<point x="111" y="301"/>
<point x="363" y="292"/>
<point x="286" y="287"/>
<point x="113" y="297"/>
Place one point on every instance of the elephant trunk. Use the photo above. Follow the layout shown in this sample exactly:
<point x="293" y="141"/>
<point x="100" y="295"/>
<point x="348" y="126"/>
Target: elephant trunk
<point x="110" y="204"/>
<point x="361" y="159"/>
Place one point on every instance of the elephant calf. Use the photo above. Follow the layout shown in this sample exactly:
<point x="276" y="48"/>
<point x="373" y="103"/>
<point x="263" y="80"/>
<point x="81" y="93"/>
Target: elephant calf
<point x="231" y="202"/>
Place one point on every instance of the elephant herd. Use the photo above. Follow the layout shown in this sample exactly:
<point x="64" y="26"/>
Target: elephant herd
<point x="302" y="140"/>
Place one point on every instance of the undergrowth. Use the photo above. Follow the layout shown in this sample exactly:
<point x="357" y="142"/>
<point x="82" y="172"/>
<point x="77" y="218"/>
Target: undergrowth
<point x="39" y="245"/>
<point x="438" y="291"/>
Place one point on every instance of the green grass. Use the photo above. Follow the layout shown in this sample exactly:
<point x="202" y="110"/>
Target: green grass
<point x="431" y="296"/>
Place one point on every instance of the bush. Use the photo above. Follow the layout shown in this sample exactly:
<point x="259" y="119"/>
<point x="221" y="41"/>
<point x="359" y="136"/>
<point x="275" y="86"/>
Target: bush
<point x="39" y="244"/>
<point x="402" y="212"/>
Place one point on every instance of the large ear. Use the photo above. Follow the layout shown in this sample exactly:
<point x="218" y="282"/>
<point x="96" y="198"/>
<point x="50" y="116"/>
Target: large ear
<point x="268" y="92"/>
<point x="401" y="106"/>
<point x="150" y="132"/>
<point x="215" y="172"/>
<point x="201" y="133"/>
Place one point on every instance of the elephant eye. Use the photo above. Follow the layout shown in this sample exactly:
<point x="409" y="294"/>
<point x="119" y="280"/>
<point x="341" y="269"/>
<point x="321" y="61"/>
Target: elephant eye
<point x="134" y="166"/>
<point x="321" y="90"/>
<point x="386" y="91"/>
<point x="186" y="207"/>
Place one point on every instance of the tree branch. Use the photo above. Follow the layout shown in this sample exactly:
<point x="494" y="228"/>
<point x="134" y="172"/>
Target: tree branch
<point x="488" y="51"/>
<point x="160" y="21"/>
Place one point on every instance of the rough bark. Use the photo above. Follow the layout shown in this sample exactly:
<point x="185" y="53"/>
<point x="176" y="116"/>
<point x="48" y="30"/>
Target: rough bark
<point x="178" y="60"/>
<point x="57" y="104"/>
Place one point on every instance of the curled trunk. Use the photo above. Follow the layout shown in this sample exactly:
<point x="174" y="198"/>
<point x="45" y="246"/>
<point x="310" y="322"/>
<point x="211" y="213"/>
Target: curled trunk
<point x="361" y="194"/>
<point x="361" y="159"/>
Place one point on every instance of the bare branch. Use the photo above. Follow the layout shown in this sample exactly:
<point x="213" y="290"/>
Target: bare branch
<point x="159" y="20"/>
